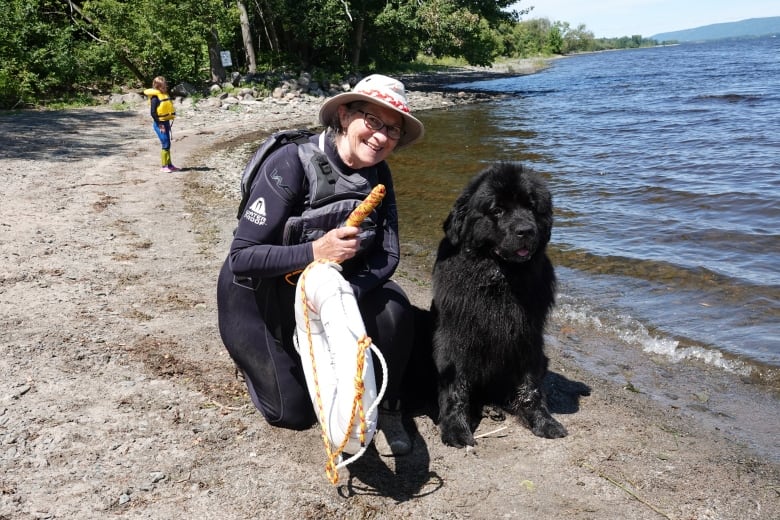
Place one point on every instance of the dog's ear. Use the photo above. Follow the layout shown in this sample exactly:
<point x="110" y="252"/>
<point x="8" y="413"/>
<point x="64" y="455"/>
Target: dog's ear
<point x="543" y="207"/>
<point x="453" y="225"/>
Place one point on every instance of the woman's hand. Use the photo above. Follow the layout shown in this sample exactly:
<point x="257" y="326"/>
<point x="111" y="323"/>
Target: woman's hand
<point x="338" y="244"/>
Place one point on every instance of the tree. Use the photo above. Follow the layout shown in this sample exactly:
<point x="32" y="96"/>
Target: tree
<point x="53" y="47"/>
<point x="218" y="72"/>
<point x="266" y="15"/>
<point x="555" y="39"/>
<point x="399" y="24"/>
<point x="153" y="38"/>
<point x="577" y="40"/>
<point x="354" y="34"/>
<point x="37" y="51"/>
<point x="246" y="33"/>
<point x="527" y="38"/>
<point x="450" y="29"/>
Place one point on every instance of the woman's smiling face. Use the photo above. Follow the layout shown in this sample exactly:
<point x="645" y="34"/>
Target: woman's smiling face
<point x="359" y="146"/>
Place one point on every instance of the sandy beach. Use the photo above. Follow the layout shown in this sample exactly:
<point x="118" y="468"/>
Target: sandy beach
<point x="118" y="400"/>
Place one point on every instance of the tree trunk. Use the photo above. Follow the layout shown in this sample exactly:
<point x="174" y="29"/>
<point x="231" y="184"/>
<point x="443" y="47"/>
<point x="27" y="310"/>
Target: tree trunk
<point x="268" y="28"/>
<point x="132" y="68"/>
<point x="359" y="25"/>
<point x="246" y="33"/>
<point x="218" y="73"/>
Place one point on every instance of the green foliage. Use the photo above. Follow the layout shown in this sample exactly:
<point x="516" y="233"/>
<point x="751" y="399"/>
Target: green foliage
<point x="327" y="33"/>
<point x="624" y="42"/>
<point x="35" y="56"/>
<point x="480" y="44"/>
<point x="452" y="30"/>
<point x="396" y="23"/>
<point x="153" y="38"/>
<point x="540" y="37"/>
<point x="58" y="51"/>
<point x="555" y="40"/>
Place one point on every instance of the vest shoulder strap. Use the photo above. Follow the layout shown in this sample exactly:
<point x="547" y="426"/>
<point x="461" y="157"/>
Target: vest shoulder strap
<point x="323" y="181"/>
<point x="271" y="144"/>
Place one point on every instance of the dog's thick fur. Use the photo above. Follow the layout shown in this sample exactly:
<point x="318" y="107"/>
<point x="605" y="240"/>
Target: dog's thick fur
<point x="493" y="287"/>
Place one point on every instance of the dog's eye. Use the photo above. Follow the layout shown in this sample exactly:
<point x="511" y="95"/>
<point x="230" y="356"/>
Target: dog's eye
<point x="496" y="211"/>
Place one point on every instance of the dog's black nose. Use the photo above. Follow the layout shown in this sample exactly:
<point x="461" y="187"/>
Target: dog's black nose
<point x="525" y="231"/>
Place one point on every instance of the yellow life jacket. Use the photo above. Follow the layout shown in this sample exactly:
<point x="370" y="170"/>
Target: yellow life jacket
<point x="165" y="110"/>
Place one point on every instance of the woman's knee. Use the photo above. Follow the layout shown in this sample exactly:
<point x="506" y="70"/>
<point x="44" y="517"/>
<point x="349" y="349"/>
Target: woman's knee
<point x="300" y="418"/>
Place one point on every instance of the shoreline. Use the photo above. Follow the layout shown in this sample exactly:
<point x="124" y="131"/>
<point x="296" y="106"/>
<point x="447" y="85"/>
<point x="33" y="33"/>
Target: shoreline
<point x="735" y="411"/>
<point x="118" y="399"/>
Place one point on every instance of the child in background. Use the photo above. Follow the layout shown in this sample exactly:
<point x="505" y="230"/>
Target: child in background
<point x="163" y="114"/>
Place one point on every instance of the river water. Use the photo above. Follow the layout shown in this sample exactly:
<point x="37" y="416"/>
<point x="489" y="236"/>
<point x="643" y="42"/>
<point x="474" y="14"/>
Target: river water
<point x="664" y="165"/>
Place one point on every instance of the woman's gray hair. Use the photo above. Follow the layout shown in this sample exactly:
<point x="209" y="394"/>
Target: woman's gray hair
<point x="334" y="123"/>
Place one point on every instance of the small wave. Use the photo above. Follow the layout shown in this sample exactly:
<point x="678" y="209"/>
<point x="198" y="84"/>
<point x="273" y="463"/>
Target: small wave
<point x="672" y="350"/>
<point x="754" y="276"/>
<point x="631" y="332"/>
<point x="728" y="98"/>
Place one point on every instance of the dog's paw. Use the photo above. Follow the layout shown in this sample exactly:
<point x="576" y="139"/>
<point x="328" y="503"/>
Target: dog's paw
<point x="548" y="427"/>
<point x="456" y="434"/>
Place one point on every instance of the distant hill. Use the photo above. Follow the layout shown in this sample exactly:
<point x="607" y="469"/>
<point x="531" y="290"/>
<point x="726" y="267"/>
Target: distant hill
<point x="719" y="31"/>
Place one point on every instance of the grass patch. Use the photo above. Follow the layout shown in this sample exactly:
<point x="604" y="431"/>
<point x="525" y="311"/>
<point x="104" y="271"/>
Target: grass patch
<point x="77" y="100"/>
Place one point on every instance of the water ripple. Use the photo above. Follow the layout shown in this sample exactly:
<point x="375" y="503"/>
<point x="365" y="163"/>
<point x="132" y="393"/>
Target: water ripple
<point x="664" y="167"/>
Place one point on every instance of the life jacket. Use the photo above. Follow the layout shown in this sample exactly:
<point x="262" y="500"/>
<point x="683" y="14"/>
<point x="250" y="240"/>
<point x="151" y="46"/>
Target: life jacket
<point x="165" y="109"/>
<point x="332" y="194"/>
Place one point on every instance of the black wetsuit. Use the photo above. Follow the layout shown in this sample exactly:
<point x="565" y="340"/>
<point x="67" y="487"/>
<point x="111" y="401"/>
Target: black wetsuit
<point x="255" y="302"/>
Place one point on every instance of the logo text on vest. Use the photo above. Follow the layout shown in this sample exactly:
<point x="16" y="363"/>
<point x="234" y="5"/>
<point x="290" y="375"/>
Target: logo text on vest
<point x="256" y="212"/>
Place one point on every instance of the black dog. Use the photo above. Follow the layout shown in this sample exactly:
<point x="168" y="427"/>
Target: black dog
<point x="493" y="286"/>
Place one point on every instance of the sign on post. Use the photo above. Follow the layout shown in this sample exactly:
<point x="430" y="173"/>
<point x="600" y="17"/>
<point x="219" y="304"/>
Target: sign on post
<point x="226" y="60"/>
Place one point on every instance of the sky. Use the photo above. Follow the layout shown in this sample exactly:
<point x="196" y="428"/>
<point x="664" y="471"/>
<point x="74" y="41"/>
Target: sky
<point x="614" y="18"/>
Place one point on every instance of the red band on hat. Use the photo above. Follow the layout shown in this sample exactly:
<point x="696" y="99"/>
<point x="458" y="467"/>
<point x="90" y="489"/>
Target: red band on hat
<point x="387" y="99"/>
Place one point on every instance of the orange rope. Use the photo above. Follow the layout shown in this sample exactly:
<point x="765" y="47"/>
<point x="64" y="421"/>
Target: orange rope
<point x="288" y="277"/>
<point x="364" y="343"/>
<point x="368" y="205"/>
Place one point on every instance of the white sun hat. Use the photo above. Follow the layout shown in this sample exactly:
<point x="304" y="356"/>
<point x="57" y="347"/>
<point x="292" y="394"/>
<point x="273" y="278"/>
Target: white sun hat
<point x="383" y="91"/>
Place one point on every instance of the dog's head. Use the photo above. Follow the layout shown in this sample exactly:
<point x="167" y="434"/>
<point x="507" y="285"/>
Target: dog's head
<point x="505" y="211"/>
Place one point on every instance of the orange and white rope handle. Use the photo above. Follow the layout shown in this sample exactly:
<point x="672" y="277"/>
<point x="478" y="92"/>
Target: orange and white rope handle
<point x="368" y="205"/>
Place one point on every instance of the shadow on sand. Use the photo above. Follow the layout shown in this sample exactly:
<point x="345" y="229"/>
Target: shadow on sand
<point x="67" y="135"/>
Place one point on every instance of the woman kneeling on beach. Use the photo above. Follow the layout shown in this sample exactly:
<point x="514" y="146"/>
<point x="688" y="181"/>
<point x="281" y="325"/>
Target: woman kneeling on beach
<point x="255" y="302"/>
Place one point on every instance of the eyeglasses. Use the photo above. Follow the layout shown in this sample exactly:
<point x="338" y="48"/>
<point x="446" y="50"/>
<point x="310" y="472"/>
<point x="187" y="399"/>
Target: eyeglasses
<point x="372" y="122"/>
